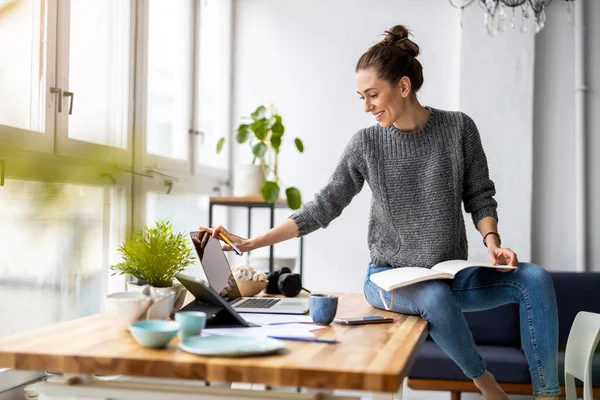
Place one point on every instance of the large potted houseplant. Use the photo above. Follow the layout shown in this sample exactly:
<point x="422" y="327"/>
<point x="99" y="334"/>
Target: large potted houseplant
<point x="154" y="256"/>
<point x="263" y="132"/>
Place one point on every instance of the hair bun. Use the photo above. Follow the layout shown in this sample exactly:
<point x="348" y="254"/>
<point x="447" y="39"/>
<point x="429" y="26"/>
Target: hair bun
<point x="398" y="36"/>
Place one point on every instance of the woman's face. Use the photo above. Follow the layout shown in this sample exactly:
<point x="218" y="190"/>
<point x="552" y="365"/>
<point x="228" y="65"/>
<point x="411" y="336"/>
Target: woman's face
<point x="384" y="101"/>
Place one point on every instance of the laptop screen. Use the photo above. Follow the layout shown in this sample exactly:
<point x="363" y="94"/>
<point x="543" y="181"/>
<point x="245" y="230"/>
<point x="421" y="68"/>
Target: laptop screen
<point x="215" y="265"/>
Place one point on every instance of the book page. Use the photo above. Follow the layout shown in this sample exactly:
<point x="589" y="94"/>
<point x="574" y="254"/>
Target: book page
<point x="398" y="277"/>
<point x="452" y="267"/>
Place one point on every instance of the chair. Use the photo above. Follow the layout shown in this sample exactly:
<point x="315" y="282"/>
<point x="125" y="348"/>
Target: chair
<point x="581" y="344"/>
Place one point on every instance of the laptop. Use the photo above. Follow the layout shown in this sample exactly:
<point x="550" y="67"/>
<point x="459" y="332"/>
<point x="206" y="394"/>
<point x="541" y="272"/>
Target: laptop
<point x="219" y="314"/>
<point x="220" y="278"/>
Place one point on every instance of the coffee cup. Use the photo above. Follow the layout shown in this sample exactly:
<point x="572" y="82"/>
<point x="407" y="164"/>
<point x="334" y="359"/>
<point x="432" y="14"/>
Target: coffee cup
<point x="322" y="308"/>
<point x="191" y="323"/>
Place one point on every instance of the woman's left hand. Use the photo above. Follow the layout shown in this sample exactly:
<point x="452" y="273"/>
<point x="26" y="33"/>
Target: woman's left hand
<point x="503" y="256"/>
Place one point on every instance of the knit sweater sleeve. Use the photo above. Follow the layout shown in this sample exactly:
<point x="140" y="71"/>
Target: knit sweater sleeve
<point x="346" y="182"/>
<point x="478" y="188"/>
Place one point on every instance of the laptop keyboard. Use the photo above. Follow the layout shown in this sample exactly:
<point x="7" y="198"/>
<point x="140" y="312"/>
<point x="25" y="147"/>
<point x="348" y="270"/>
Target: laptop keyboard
<point x="257" y="303"/>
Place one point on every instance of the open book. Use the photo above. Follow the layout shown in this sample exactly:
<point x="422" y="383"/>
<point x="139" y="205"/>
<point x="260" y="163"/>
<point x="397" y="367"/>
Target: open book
<point x="398" y="277"/>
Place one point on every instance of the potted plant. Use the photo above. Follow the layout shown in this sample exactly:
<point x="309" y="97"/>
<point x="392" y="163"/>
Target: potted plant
<point x="263" y="131"/>
<point x="154" y="256"/>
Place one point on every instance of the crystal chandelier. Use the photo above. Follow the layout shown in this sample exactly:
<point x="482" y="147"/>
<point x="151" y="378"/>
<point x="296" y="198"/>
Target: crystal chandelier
<point x="498" y="17"/>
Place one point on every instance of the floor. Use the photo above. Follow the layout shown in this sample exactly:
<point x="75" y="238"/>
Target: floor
<point x="17" y="394"/>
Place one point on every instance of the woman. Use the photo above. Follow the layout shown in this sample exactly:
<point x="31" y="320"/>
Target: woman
<point x="422" y="164"/>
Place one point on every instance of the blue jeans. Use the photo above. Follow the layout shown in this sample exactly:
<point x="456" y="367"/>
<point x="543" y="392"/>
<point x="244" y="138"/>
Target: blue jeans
<point x="441" y="303"/>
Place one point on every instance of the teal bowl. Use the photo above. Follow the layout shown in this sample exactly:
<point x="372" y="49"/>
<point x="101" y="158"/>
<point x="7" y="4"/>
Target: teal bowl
<point x="154" y="333"/>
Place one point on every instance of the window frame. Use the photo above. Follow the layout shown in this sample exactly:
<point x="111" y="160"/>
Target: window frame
<point x="25" y="139"/>
<point x="143" y="160"/>
<point x="88" y="150"/>
<point x="198" y="167"/>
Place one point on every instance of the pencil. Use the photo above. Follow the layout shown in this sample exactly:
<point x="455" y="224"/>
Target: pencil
<point x="303" y="339"/>
<point x="233" y="246"/>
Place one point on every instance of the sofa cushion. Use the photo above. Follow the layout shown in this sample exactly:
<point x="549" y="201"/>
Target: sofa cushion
<point x="496" y="327"/>
<point x="507" y="364"/>
<point x="575" y="291"/>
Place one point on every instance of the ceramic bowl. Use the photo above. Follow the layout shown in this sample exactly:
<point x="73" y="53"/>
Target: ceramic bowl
<point x="127" y="307"/>
<point x="154" y="333"/>
<point x="250" y="288"/>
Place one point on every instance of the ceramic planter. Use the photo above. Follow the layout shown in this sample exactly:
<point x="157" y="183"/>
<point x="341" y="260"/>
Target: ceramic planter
<point x="175" y="293"/>
<point x="247" y="180"/>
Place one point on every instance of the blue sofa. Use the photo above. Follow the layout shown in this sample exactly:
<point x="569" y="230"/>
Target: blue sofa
<point x="496" y="333"/>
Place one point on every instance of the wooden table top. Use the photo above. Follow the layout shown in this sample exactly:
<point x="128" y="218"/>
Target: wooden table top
<point x="369" y="357"/>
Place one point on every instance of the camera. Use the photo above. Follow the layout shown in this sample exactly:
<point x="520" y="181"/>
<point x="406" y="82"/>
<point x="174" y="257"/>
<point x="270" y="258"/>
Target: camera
<point x="283" y="281"/>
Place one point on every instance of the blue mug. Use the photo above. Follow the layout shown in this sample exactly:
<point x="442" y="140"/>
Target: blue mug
<point x="191" y="322"/>
<point x="322" y="308"/>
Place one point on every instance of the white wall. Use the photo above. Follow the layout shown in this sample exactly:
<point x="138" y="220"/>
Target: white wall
<point x="593" y="151"/>
<point x="496" y="90"/>
<point x="301" y="56"/>
<point x="553" y="206"/>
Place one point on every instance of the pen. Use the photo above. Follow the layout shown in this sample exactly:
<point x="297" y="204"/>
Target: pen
<point x="233" y="246"/>
<point x="301" y="339"/>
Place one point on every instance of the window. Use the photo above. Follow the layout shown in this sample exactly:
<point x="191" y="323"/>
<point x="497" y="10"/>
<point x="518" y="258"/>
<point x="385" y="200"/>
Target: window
<point x="27" y="74"/>
<point x="23" y="80"/>
<point x="170" y="38"/>
<point x="56" y="242"/>
<point x="213" y="81"/>
<point x="76" y="75"/>
<point x="93" y="86"/>
<point x="98" y="71"/>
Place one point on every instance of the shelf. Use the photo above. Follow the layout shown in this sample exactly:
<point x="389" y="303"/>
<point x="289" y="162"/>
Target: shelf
<point x="247" y="201"/>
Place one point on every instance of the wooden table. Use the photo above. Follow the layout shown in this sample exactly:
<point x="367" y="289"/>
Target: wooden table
<point x="374" y="358"/>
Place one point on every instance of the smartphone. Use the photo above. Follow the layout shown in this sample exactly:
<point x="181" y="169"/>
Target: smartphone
<point x="372" y="319"/>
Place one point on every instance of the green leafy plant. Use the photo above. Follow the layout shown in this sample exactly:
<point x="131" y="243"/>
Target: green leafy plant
<point x="155" y="255"/>
<point x="263" y="131"/>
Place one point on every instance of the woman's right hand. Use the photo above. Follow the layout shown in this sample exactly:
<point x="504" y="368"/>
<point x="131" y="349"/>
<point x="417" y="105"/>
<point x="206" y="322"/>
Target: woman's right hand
<point x="242" y="244"/>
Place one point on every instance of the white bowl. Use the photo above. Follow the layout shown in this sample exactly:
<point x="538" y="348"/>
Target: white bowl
<point x="127" y="307"/>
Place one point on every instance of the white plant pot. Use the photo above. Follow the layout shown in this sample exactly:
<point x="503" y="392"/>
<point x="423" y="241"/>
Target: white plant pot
<point x="247" y="180"/>
<point x="176" y="294"/>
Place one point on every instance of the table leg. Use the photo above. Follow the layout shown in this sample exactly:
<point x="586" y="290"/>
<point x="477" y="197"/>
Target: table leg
<point x="389" y="396"/>
<point x="301" y="253"/>
<point x="271" y="248"/>
<point x="249" y="222"/>
<point x="384" y="396"/>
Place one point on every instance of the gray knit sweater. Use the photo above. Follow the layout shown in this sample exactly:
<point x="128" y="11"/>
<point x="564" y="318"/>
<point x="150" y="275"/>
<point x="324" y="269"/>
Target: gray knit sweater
<point x="419" y="181"/>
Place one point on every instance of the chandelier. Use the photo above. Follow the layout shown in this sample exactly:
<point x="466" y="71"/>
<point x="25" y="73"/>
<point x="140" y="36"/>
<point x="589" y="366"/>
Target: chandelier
<point x="501" y="14"/>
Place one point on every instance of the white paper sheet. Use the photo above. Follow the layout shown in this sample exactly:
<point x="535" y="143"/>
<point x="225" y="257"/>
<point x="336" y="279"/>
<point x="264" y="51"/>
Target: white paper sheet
<point x="289" y="330"/>
<point x="455" y="266"/>
<point x="267" y="319"/>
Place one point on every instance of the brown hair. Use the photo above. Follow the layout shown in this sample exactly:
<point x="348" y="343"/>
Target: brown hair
<point x="394" y="57"/>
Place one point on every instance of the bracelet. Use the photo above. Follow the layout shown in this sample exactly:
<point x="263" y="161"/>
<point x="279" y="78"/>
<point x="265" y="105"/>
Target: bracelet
<point x="492" y="233"/>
